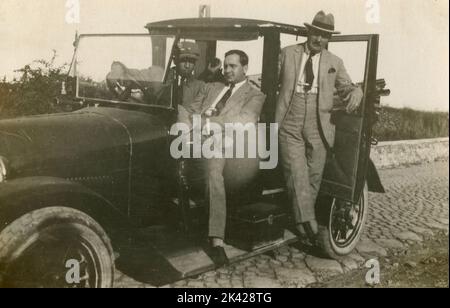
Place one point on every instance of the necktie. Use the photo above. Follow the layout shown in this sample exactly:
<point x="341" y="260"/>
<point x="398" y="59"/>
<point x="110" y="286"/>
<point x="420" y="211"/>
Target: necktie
<point x="309" y="73"/>
<point x="221" y="104"/>
<point x="183" y="83"/>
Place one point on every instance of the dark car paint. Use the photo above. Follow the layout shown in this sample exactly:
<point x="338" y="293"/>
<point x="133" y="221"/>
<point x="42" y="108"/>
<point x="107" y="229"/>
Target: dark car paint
<point x="105" y="149"/>
<point x="23" y="195"/>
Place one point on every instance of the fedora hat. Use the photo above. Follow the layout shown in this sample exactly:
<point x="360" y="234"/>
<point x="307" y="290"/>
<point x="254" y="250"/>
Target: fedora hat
<point x="323" y="22"/>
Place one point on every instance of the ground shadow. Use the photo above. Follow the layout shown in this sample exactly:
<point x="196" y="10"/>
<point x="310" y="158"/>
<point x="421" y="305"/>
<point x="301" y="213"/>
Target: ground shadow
<point x="141" y="261"/>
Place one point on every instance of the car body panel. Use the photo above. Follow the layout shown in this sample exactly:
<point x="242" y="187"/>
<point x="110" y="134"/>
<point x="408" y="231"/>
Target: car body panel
<point x="98" y="147"/>
<point x="23" y="195"/>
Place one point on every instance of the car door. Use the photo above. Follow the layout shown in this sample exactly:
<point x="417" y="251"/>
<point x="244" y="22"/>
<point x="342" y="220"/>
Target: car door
<point x="345" y="173"/>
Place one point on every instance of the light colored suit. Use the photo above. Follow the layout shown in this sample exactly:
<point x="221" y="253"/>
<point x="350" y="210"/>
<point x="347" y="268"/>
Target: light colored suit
<point x="303" y="151"/>
<point x="332" y="75"/>
<point x="244" y="106"/>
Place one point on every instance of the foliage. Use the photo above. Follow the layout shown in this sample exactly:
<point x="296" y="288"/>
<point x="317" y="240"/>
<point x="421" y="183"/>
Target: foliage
<point x="406" y="123"/>
<point x="34" y="92"/>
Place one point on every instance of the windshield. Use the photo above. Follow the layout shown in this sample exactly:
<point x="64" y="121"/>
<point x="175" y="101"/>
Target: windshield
<point x="126" y="68"/>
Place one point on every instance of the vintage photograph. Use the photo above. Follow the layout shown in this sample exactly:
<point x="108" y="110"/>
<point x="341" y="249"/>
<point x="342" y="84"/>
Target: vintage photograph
<point x="213" y="144"/>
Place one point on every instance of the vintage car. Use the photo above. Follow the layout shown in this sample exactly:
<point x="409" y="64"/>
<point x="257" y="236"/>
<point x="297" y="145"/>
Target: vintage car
<point x="94" y="189"/>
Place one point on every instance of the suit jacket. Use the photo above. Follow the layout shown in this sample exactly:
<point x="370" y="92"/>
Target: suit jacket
<point x="244" y="106"/>
<point x="332" y="75"/>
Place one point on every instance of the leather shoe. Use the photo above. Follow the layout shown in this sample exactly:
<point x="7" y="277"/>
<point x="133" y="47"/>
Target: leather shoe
<point x="308" y="230"/>
<point x="219" y="256"/>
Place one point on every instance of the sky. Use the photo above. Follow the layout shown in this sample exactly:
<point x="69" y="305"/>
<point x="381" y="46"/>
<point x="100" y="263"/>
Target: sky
<point x="413" y="51"/>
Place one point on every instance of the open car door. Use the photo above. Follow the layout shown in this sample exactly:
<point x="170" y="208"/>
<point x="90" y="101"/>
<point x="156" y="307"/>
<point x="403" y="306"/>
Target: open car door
<point x="345" y="171"/>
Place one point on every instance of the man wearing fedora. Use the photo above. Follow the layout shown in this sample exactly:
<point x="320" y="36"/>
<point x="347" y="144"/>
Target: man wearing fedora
<point x="309" y="76"/>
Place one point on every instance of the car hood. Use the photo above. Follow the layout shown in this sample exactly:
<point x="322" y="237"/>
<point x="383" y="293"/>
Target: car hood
<point x="91" y="141"/>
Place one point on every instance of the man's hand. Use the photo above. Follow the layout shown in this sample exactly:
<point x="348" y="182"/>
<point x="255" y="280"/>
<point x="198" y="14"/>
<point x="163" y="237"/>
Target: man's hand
<point x="210" y="112"/>
<point x="353" y="100"/>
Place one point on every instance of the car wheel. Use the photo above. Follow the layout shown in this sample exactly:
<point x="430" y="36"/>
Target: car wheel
<point x="343" y="225"/>
<point x="55" y="247"/>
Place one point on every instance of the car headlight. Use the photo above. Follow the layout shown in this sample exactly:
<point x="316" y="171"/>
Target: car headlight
<point x="3" y="171"/>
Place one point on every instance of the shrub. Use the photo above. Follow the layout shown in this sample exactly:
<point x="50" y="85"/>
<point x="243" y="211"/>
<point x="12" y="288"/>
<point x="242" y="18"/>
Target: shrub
<point x="34" y="92"/>
<point x="406" y="123"/>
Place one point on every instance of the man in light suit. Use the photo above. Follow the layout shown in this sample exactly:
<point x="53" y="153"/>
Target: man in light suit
<point x="234" y="102"/>
<point x="309" y="75"/>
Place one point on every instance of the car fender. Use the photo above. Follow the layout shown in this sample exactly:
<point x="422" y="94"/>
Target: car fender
<point x="23" y="195"/>
<point x="373" y="179"/>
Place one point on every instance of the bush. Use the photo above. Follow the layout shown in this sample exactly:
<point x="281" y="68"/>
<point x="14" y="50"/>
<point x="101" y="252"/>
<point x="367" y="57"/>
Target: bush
<point x="34" y="92"/>
<point x="406" y="123"/>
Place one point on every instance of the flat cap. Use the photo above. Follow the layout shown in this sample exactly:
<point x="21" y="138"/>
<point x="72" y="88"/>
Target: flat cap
<point x="188" y="50"/>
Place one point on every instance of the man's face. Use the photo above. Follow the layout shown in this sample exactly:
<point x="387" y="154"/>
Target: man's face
<point x="317" y="40"/>
<point x="233" y="70"/>
<point x="185" y="67"/>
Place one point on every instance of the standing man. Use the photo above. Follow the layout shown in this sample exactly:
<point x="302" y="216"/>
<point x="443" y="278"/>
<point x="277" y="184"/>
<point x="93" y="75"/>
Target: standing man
<point x="234" y="102"/>
<point x="309" y="76"/>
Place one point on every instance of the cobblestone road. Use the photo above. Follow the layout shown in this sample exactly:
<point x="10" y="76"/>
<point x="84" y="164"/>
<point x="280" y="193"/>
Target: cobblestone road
<point x="415" y="206"/>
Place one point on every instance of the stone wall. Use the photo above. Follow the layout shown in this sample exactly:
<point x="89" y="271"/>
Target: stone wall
<point x="392" y="154"/>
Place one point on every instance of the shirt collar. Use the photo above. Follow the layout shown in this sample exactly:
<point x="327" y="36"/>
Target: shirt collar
<point x="238" y="85"/>
<point x="307" y="51"/>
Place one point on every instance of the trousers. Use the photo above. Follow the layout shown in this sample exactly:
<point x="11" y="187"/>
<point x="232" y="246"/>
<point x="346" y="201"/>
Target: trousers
<point x="303" y="155"/>
<point x="217" y="198"/>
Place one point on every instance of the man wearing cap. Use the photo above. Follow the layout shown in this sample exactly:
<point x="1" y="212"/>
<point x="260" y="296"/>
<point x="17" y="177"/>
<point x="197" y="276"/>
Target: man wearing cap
<point x="309" y="75"/>
<point x="188" y="54"/>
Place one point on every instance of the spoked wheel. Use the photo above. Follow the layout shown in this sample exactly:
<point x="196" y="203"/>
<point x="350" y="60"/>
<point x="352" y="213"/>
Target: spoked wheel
<point x="344" y="224"/>
<point x="56" y="248"/>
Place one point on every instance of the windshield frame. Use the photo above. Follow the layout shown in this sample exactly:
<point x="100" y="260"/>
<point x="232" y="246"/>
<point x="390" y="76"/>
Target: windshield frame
<point x="112" y="101"/>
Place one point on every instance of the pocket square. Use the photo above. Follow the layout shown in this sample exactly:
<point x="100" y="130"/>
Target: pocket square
<point x="331" y="70"/>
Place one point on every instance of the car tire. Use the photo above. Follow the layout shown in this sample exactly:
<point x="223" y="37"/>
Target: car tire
<point x="329" y="238"/>
<point x="55" y="247"/>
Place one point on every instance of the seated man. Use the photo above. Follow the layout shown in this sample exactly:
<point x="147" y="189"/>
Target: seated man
<point x="234" y="102"/>
<point x="185" y="61"/>
<point x="134" y="85"/>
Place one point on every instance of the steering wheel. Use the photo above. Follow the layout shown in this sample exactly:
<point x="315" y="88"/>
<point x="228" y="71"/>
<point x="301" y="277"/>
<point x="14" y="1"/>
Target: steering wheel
<point x="121" y="89"/>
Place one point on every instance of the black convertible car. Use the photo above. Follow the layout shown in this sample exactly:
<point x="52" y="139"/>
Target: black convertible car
<point x="86" y="191"/>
